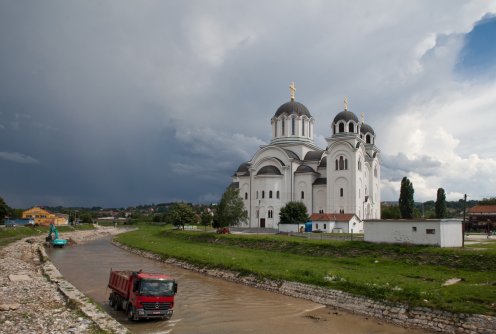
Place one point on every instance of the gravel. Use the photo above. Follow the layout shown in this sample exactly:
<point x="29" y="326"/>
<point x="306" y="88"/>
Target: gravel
<point x="29" y="301"/>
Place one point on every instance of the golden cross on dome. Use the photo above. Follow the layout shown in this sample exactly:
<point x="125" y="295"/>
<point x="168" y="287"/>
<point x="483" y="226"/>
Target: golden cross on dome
<point x="292" y="90"/>
<point x="345" y="103"/>
<point x="363" y="117"/>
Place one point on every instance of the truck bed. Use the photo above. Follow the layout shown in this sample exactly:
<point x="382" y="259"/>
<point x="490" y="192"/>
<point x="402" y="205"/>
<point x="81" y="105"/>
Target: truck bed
<point x="119" y="282"/>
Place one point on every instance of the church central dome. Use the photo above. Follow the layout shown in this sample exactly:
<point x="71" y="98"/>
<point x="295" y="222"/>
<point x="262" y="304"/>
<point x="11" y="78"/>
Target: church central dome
<point x="346" y="116"/>
<point x="293" y="107"/>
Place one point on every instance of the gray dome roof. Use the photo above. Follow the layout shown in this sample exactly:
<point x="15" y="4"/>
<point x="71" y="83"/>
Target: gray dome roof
<point x="320" y="180"/>
<point x="346" y="116"/>
<point x="323" y="162"/>
<point x="293" y="107"/>
<point x="313" y="155"/>
<point x="304" y="169"/>
<point x="366" y="128"/>
<point x="291" y="154"/>
<point x="269" y="170"/>
<point x="244" y="168"/>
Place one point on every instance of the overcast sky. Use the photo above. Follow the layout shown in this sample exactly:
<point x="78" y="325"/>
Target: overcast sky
<point x="119" y="103"/>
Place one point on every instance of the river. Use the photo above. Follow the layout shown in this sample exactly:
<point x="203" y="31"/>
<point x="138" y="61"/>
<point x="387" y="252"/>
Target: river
<point x="207" y="305"/>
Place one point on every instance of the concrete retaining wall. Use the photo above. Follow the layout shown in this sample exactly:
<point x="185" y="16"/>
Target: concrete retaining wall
<point x="89" y="308"/>
<point x="398" y="314"/>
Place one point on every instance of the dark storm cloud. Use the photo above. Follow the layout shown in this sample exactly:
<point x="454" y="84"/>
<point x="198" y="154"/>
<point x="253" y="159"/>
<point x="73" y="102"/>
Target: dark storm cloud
<point x="121" y="102"/>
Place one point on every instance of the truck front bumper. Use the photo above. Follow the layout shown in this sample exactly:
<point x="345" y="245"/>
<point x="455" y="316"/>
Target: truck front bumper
<point x="142" y="313"/>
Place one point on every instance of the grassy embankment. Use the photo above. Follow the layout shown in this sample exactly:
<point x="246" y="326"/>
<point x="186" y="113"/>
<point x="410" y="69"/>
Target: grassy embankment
<point x="397" y="273"/>
<point x="11" y="234"/>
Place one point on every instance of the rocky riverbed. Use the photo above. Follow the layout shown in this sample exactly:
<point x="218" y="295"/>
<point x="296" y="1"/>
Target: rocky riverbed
<point x="34" y="297"/>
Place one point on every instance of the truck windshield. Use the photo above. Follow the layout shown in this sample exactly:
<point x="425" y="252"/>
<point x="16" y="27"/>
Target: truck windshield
<point x="156" y="288"/>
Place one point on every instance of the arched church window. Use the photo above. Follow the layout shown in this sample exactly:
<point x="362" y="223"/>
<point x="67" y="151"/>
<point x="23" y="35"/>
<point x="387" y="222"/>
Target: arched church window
<point x="302" y="195"/>
<point x="256" y="195"/>
<point x="270" y="194"/>
<point x="271" y="214"/>
<point x="341" y="192"/>
<point x="303" y="127"/>
<point x="275" y="128"/>
<point x="341" y="127"/>
<point x="337" y="164"/>
<point x="282" y="127"/>
<point x="246" y="195"/>
<point x="263" y="193"/>
<point x="341" y="163"/>
<point x="367" y="139"/>
<point x="293" y="121"/>
<point x="346" y="164"/>
<point x="351" y="127"/>
<point x="277" y="194"/>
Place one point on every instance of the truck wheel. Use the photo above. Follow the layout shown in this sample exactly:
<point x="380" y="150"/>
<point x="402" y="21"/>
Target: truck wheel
<point x="116" y="303"/>
<point x="131" y="313"/>
<point x="111" y="301"/>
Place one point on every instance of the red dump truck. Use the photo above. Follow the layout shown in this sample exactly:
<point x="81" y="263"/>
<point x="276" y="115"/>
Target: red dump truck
<point x="142" y="295"/>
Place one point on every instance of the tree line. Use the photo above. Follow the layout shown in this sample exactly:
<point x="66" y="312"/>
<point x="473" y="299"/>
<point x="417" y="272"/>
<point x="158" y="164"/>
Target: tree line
<point x="230" y="210"/>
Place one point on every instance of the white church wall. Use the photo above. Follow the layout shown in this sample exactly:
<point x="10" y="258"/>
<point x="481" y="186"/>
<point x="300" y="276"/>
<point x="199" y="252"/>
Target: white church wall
<point x="319" y="199"/>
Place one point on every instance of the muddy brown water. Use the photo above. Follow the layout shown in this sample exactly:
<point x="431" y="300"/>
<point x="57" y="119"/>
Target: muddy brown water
<point x="205" y="304"/>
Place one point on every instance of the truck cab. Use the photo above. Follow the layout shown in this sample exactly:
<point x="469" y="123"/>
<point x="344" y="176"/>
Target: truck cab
<point x="143" y="295"/>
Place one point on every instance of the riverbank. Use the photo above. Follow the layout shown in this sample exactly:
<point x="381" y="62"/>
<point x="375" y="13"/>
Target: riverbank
<point x="35" y="298"/>
<point x="210" y="258"/>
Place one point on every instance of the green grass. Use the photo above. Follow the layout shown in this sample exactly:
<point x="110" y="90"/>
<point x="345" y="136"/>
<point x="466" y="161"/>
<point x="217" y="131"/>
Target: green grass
<point x="395" y="273"/>
<point x="11" y="234"/>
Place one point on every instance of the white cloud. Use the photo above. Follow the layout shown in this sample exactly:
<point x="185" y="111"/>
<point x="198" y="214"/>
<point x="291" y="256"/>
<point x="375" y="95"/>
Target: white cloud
<point x="18" y="157"/>
<point x="453" y="129"/>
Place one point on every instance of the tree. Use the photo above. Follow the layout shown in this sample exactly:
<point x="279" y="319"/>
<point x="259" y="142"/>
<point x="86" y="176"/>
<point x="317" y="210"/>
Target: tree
<point x="4" y="210"/>
<point x="488" y="201"/>
<point x="86" y="218"/>
<point x="406" y="202"/>
<point x="180" y="214"/>
<point x="230" y="211"/>
<point x="441" y="208"/>
<point x="293" y="213"/>
<point x="205" y="219"/>
<point x="390" y="212"/>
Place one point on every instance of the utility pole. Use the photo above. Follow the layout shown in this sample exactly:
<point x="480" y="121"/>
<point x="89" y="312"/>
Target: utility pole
<point x="463" y="223"/>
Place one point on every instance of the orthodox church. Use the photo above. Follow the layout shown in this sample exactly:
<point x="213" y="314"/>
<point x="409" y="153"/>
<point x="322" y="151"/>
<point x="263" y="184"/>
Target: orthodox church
<point x="342" y="179"/>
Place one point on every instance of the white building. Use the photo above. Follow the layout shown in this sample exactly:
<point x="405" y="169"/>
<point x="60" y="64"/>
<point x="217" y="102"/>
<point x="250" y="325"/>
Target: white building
<point x="336" y="223"/>
<point x="438" y="232"/>
<point x="342" y="178"/>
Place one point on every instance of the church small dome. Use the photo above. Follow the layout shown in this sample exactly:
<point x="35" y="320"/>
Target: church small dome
<point x="293" y="107"/>
<point x="346" y="116"/>
<point x="244" y="168"/>
<point x="366" y="128"/>
<point x="304" y="169"/>
<point x="269" y="170"/>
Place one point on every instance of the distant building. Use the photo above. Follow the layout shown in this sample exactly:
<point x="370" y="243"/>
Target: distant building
<point x="342" y="178"/>
<point x="482" y="213"/>
<point x="481" y="218"/>
<point x="45" y="217"/>
<point x="336" y="223"/>
<point x="19" y="222"/>
<point x="436" y="232"/>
